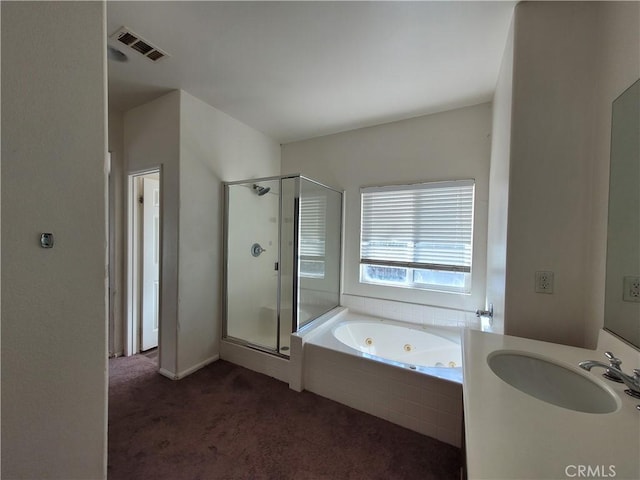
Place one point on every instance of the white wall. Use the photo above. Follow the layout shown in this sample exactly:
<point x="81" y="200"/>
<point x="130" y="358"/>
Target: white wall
<point x="551" y="154"/>
<point x="151" y="140"/>
<point x="198" y="147"/>
<point x="559" y="162"/>
<point x="443" y="146"/>
<point x="117" y="266"/>
<point x="214" y="147"/>
<point x="499" y="187"/>
<point x="54" y="326"/>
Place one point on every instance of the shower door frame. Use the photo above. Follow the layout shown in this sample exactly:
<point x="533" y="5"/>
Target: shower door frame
<point x="295" y="266"/>
<point x="225" y="292"/>
<point x="295" y="325"/>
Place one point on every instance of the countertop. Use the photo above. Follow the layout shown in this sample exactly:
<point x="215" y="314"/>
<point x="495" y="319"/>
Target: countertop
<point x="511" y="435"/>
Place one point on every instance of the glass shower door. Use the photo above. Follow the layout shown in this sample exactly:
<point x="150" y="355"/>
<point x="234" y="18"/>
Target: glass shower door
<point x="282" y="269"/>
<point x="319" y="237"/>
<point x="253" y="211"/>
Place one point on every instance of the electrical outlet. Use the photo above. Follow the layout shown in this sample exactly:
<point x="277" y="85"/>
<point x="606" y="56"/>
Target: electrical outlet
<point x="544" y="282"/>
<point x="631" y="289"/>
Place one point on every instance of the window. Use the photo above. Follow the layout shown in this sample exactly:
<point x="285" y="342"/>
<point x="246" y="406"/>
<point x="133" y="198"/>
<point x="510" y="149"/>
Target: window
<point x="312" y="235"/>
<point x="418" y="236"/>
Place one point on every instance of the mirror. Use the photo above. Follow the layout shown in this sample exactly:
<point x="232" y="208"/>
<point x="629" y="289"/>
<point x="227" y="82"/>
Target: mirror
<point x="622" y="290"/>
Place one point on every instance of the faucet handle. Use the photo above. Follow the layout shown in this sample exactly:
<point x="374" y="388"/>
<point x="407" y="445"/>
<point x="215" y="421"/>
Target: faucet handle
<point x="613" y="361"/>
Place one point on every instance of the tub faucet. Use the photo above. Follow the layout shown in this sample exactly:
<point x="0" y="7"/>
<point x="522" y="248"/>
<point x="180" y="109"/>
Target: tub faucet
<point x="486" y="313"/>
<point x="632" y="382"/>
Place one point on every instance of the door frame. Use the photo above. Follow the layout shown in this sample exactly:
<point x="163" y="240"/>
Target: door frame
<point x="133" y="320"/>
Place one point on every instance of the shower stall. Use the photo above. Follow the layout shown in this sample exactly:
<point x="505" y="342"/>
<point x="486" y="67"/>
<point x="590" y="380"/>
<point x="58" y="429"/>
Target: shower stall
<point x="282" y="258"/>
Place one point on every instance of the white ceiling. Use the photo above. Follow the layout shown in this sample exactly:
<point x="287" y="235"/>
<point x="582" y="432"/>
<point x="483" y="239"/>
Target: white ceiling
<point x="297" y="70"/>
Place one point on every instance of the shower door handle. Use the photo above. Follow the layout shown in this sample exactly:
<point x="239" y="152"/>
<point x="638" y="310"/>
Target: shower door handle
<point x="256" y="249"/>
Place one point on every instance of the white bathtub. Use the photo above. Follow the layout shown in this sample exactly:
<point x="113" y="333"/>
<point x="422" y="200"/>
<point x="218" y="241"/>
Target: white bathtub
<point x="431" y="350"/>
<point x="404" y="373"/>
<point x="412" y="346"/>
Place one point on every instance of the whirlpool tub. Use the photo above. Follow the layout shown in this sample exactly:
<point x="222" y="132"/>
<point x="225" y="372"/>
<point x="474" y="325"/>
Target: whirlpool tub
<point x="392" y="342"/>
<point x="408" y="374"/>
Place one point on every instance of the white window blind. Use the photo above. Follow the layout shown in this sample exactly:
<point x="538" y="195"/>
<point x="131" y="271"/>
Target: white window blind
<point x="424" y="226"/>
<point x="312" y="235"/>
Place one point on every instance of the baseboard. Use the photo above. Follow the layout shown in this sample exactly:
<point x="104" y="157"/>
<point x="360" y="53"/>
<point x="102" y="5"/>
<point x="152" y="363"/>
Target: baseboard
<point x="168" y="374"/>
<point x="255" y="360"/>
<point x="188" y="371"/>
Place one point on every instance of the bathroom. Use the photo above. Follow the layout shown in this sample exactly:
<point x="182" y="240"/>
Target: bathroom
<point x="538" y="150"/>
<point x="559" y="187"/>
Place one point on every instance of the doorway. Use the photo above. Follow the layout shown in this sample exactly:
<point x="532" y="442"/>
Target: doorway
<point x="144" y="258"/>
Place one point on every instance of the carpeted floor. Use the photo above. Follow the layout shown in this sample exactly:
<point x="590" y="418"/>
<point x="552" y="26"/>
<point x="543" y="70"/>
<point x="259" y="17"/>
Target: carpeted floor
<point x="226" y="422"/>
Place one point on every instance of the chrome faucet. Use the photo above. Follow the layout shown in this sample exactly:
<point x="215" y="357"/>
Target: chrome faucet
<point x="615" y="363"/>
<point x="486" y="313"/>
<point x="614" y="373"/>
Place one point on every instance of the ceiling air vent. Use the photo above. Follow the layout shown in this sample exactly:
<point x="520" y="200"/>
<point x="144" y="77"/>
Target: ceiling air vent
<point x="155" y="55"/>
<point x="140" y="45"/>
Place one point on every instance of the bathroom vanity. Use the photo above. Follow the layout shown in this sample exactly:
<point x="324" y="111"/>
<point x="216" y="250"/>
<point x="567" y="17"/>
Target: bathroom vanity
<point x="510" y="434"/>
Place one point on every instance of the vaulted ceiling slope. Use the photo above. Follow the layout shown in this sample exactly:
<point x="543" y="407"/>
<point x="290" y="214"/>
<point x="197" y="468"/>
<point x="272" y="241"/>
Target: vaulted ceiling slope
<point x="296" y="70"/>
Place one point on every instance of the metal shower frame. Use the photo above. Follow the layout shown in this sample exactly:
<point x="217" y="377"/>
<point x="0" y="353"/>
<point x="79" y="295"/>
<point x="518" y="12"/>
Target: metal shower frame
<point x="296" y="237"/>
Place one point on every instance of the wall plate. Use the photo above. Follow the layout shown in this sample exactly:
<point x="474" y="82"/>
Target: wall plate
<point x="631" y="289"/>
<point x="544" y="282"/>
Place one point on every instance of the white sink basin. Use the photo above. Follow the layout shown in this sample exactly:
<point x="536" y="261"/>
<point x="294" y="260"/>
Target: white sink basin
<point x="546" y="380"/>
